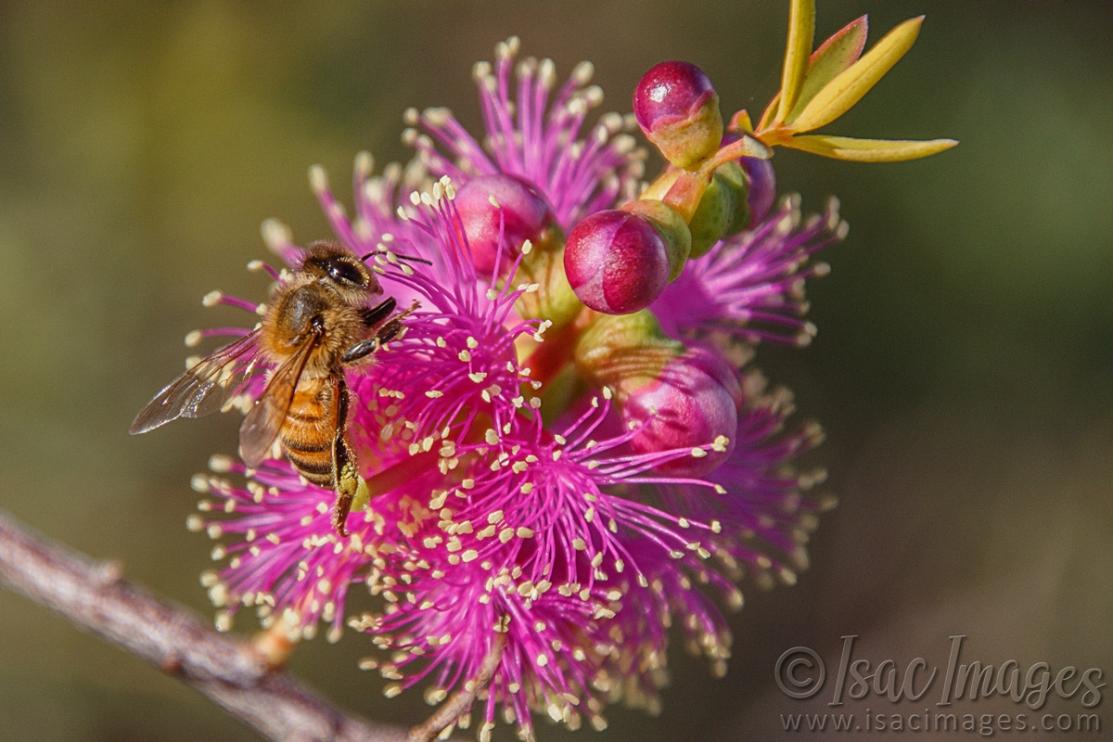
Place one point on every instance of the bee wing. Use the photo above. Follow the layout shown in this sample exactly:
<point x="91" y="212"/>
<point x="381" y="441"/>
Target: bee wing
<point x="204" y="388"/>
<point x="262" y="425"/>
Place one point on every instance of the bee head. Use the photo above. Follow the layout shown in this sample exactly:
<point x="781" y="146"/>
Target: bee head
<point x="332" y="264"/>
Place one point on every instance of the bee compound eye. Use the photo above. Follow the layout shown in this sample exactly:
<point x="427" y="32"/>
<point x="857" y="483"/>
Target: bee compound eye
<point x="344" y="272"/>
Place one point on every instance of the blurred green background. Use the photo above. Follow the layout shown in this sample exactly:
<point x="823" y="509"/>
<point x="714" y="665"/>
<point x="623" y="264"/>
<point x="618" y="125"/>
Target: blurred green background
<point x="962" y="368"/>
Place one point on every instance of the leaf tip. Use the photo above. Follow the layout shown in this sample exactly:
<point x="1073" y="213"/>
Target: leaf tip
<point x="857" y="31"/>
<point x="862" y="22"/>
<point x="909" y="29"/>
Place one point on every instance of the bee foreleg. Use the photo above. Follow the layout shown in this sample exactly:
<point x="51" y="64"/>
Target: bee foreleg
<point x="372" y="316"/>
<point x="364" y="348"/>
<point x="346" y="479"/>
<point x="390" y="330"/>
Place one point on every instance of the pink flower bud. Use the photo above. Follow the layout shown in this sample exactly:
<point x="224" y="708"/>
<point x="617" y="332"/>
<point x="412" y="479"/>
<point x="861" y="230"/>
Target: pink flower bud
<point x="678" y="109"/>
<point x="616" y="262"/>
<point x="490" y="203"/>
<point x="693" y="403"/>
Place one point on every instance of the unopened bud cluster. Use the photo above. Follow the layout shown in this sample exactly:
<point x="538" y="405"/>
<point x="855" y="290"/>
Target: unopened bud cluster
<point x="620" y="261"/>
<point x="598" y="281"/>
<point x="594" y="279"/>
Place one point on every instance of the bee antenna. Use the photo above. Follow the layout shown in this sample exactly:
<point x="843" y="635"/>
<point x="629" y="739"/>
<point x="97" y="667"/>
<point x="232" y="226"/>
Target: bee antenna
<point x="411" y="258"/>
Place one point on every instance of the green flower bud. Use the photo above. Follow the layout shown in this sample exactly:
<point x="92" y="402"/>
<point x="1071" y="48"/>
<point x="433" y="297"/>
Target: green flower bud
<point x="673" y="229"/>
<point x="722" y="209"/>
<point x="730" y="177"/>
<point x="618" y="347"/>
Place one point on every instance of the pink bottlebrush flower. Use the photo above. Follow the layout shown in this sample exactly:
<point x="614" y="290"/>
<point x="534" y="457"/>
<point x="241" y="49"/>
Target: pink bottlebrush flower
<point x="484" y="522"/>
<point x="440" y="627"/>
<point x="511" y="521"/>
<point x="536" y="135"/>
<point x="281" y="556"/>
<point x="537" y="549"/>
<point x="750" y="288"/>
<point x="763" y="503"/>
<point x="454" y="372"/>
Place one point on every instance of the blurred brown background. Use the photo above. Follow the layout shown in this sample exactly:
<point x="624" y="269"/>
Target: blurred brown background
<point x="962" y="368"/>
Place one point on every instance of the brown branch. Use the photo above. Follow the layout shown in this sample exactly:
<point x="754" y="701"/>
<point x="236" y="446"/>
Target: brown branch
<point x="95" y="597"/>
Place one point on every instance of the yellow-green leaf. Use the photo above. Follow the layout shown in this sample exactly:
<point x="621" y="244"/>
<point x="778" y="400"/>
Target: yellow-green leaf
<point x="801" y="33"/>
<point x="769" y="112"/>
<point x="868" y="150"/>
<point x="848" y="87"/>
<point x="834" y="55"/>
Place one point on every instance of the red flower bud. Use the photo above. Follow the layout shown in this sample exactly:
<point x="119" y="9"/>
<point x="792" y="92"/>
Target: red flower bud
<point x="693" y="403"/>
<point x="490" y="203"/>
<point x="616" y="262"/>
<point x="678" y="109"/>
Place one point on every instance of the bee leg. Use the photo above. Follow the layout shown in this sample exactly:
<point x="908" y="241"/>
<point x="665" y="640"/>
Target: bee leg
<point x="347" y="483"/>
<point x="372" y="316"/>
<point x="364" y="348"/>
<point x="346" y="479"/>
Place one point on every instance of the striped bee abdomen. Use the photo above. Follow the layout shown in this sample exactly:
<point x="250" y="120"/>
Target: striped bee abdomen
<point x="309" y="429"/>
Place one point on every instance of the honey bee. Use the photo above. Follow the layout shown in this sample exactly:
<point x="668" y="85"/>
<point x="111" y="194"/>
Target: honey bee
<point x="315" y="324"/>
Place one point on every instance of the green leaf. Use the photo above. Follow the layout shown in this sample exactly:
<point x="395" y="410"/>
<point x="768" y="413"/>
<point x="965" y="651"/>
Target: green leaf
<point x="868" y="150"/>
<point x="832" y="57"/>
<point x="851" y="85"/>
<point x="801" y="34"/>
